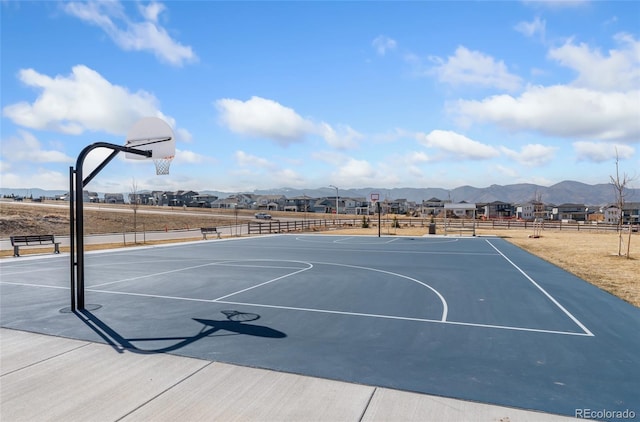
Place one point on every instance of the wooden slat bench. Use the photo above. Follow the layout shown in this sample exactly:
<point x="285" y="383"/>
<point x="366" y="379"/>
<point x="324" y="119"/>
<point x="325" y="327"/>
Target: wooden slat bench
<point x="209" y="230"/>
<point x="34" y="240"/>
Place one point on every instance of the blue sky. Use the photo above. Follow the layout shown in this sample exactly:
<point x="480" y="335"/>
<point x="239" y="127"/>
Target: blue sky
<point x="309" y="94"/>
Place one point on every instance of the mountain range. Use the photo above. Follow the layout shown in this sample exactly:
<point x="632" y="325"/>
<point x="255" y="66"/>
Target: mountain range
<point x="560" y="193"/>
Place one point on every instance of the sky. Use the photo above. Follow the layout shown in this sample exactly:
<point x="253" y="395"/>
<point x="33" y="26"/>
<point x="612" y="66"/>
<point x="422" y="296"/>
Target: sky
<point x="264" y="95"/>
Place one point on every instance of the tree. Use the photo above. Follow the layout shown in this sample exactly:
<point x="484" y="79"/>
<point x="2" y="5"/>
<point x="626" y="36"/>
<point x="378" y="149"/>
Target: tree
<point x="134" y="198"/>
<point x="620" y="184"/>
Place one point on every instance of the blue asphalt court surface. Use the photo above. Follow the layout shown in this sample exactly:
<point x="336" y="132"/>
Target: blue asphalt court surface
<point x="470" y="318"/>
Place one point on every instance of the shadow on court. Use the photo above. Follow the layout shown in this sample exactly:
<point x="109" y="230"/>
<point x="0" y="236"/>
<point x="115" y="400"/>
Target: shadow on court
<point x="235" y="324"/>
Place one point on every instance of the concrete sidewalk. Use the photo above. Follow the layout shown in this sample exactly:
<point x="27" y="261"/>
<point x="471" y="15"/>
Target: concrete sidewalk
<point x="48" y="378"/>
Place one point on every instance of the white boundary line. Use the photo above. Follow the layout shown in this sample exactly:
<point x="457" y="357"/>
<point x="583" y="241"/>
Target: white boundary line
<point x="551" y="298"/>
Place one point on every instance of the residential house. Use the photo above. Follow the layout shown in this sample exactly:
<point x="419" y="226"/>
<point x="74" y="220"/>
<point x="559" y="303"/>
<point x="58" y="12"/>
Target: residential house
<point x="433" y="206"/>
<point x="230" y="202"/>
<point x="324" y="205"/>
<point x="531" y="210"/>
<point x="203" y="200"/>
<point x="143" y="198"/>
<point x="271" y="202"/>
<point x="570" y="212"/>
<point x="631" y="212"/>
<point x="498" y="209"/>
<point x="298" y="204"/>
<point x="113" y="198"/>
<point x="357" y="206"/>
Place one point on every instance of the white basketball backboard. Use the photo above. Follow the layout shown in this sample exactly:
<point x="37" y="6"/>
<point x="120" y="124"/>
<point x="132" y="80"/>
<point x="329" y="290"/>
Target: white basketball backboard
<point x="151" y="134"/>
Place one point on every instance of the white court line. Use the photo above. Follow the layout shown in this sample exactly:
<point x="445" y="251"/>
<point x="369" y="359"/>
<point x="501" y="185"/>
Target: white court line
<point x="395" y="239"/>
<point x="434" y="321"/>
<point x="445" y="307"/>
<point x="13" y="283"/>
<point x="267" y="282"/>
<point x="364" y="243"/>
<point x="220" y="263"/>
<point x="562" y="308"/>
<point x="393" y="317"/>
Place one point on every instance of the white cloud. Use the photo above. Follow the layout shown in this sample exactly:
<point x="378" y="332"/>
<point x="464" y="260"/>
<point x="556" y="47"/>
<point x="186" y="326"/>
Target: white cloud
<point x="247" y="160"/>
<point x="264" y="118"/>
<point x="468" y="67"/>
<point x="289" y="178"/>
<point x="40" y="177"/>
<point x="129" y="35"/>
<point x="560" y="111"/>
<point x="555" y="4"/>
<point x="456" y="145"/>
<point x="151" y="11"/>
<point x="619" y="70"/>
<point x="532" y="155"/>
<point x="26" y="147"/>
<point x="505" y="171"/>
<point x="261" y="117"/>
<point x="601" y="151"/>
<point x="530" y="29"/>
<point x="190" y="157"/>
<point x="417" y="157"/>
<point x="382" y="44"/>
<point x="357" y="173"/>
<point x="347" y="138"/>
<point x="83" y="101"/>
<point x="331" y="157"/>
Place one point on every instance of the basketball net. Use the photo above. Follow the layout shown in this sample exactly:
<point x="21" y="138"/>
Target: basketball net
<point x="162" y="165"/>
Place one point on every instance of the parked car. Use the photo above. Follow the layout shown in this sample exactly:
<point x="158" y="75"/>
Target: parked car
<point x="263" y="216"/>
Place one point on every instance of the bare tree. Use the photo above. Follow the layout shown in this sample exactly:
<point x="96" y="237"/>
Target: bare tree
<point x="620" y="184"/>
<point x="134" y="199"/>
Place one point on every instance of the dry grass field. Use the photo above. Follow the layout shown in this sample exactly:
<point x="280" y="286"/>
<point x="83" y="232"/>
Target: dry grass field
<point x="590" y="255"/>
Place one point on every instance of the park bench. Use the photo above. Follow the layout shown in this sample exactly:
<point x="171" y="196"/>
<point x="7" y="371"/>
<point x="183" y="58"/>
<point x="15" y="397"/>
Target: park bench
<point x="209" y="230"/>
<point x="33" y="240"/>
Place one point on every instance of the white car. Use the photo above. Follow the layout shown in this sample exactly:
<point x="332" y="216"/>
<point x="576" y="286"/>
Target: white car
<point x="263" y="216"/>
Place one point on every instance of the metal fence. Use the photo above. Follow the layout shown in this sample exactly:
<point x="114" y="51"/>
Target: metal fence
<point x="276" y="226"/>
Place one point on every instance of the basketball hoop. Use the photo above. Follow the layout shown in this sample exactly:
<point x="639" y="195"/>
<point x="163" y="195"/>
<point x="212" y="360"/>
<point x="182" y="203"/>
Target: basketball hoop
<point x="154" y="135"/>
<point x="162" y="164"/>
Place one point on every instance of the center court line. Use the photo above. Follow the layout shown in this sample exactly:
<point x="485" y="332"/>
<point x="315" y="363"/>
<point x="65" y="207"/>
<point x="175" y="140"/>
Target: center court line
<point x="551" y="298"/>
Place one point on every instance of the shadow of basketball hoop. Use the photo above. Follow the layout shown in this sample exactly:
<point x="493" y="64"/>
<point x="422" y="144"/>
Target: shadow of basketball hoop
<point x="235" y="324"/>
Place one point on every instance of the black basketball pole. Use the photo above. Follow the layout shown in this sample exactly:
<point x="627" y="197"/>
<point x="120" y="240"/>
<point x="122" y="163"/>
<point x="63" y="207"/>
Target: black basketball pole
<point x="72" y="236"/>
<point x="378" y="203"/>
<point x="76" y="199"/>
